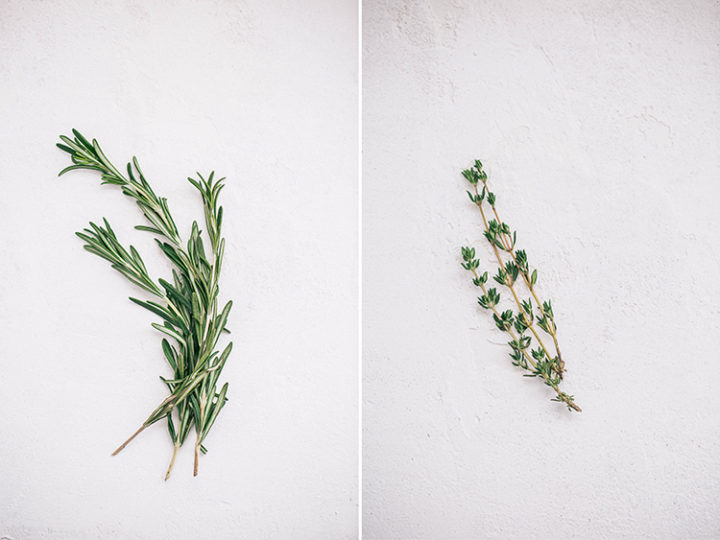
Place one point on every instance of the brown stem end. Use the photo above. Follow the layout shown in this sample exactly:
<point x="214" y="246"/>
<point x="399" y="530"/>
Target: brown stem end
<point x="123" y="445"/>
<point x="197" y="459"/>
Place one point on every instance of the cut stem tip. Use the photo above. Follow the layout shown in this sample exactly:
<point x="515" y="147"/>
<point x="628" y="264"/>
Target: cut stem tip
<point x="123" y="445"/>
<point x="172" y="462"/>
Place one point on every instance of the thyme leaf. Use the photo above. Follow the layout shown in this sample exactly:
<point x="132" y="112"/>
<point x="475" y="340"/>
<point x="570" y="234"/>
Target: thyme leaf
<point x="513" y="272"/>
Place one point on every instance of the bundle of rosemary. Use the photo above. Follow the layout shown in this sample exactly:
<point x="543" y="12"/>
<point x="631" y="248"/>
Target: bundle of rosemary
<point x="537" y="362"/>
<point x="187" y="305"/>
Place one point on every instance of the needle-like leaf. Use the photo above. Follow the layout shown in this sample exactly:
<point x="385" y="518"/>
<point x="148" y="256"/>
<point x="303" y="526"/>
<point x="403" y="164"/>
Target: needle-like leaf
<point x="188" y="306"/>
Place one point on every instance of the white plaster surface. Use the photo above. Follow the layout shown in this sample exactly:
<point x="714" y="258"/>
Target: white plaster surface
<point x="599" y="125"/>
<point x="266" y="94"/>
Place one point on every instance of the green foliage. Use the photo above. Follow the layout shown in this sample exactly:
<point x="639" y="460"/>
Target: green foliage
<point x="521" y="260"/>
<point x="498" y="234"/>
<point x="511" y="273"/>
<point x="522" y="343"/>
<point x="521" y="323"/>
<point x="469" y="258"/>
<point x="475" y="175"/>
<point x="187" y="305"/>
<point x="511" y="270"/>
<point x="501" y="277"/>
<point x="504" y="321"/>
<point x="490" y="299"/>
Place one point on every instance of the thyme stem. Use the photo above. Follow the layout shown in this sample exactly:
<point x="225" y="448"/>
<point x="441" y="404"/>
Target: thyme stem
<point x="511" y="250"/>
<point x="540" y="363"/>
<point x="510" y="285"/>
<point x="547" y="379"/>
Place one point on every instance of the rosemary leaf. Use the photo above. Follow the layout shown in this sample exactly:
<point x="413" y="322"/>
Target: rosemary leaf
<point x="188" y="307"/>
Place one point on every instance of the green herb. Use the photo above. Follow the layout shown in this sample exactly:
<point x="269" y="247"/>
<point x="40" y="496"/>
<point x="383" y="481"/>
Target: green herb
<point x="514" y="272"/>
<point x="187" y="304"/>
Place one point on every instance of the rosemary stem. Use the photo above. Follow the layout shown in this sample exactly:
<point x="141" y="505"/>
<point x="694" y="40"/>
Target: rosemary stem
<point x="197" y="453"/>
<point x="172" y="459"/>
<point x="198" y="430"/>
<point x="172" y="400"/>
<point x="188" y="306"/>
<point x="123" y="445"/>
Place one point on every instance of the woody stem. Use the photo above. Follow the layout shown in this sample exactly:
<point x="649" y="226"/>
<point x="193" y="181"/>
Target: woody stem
<point x="552" y="384"/>
<point x="528" y="322"/>
<point x="511" y="251"/>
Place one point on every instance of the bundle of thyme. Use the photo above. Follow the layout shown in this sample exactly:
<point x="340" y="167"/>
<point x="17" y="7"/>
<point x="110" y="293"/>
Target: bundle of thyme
<point x="538" y="362"/>
<point x="191" y="317"/>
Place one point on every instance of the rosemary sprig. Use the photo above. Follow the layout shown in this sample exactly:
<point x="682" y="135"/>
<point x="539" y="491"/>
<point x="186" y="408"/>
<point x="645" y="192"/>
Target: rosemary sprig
<point x="188" y="305"/>
<point x="538" y="362"/>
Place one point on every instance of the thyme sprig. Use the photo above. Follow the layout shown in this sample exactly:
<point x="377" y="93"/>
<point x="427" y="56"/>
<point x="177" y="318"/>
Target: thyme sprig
<point x="188" y="305"/>
<point x="538" y="362"/>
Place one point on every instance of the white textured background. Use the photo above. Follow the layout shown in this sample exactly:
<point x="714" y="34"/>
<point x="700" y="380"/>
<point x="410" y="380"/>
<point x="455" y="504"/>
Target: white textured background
<point x="599" y="124"/>
<point x="265" y="93"/>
